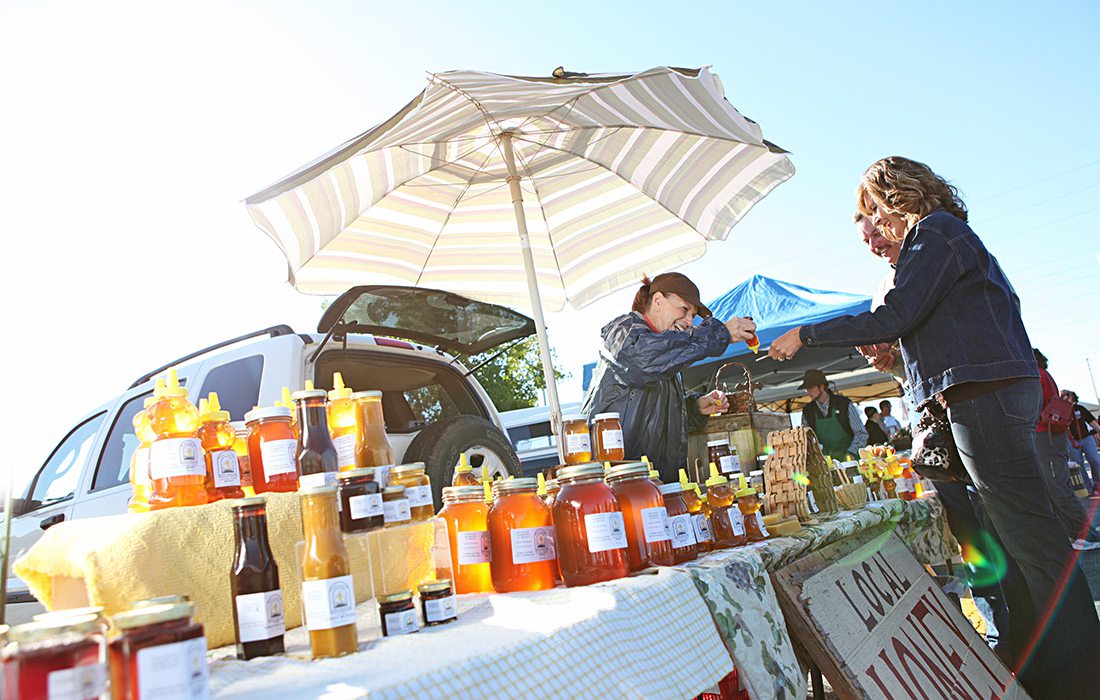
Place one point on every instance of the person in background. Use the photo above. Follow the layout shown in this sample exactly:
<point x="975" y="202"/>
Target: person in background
<point x="889" y="423"/>
<point x="875" y="434"/>
<point x="638" y="374"/>
<point x="1084" y="438"/>
<point x="964" y="346"/>
<point x="833" y="417"/>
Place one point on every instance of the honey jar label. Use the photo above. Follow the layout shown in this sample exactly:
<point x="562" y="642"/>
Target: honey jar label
<point x="367" y="505"/>
<point x="317" y="479"/>
<point x="279" y="456"/>
<point x="903" y="484"/>
<point x="226" y="469"/>
<point x="473" y="547"/>
<point x="419" y="495"/>
<point x="260" y="616"/>
<point x="737" y="521"/>
<point x="176" y="457"/>
<point x="729" y="464"/>
<point x="77" y="683"/>
<point x="396" y="511"/>
<point x="329" y="603"/>
<point x="655" y="524"/>
<point x="702" y="528"/>
<point x="176" y="671"/>
<point x="345" y="450"/>
<point x="682" y="530"/>
<point x="580" y="442"/>
<point x="532" y="544"/>
<point x="141" y="467"/>
<point x="401" y="622"/>
<point x="605" y="531"/>
<point x="440" y="609"/>
<point x="612" y="439"/>
<point x="760" y="522"/>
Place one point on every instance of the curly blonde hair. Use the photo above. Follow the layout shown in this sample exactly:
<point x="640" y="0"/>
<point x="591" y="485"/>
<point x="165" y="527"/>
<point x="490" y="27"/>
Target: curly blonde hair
<point x="906" y="187"/>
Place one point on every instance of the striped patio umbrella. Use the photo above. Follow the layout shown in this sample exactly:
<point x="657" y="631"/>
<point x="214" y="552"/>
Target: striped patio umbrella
<point x="526" y="192"/>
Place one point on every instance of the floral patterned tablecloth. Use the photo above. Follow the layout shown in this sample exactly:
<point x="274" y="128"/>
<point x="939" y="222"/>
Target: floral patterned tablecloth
<point x="738" y="590"/>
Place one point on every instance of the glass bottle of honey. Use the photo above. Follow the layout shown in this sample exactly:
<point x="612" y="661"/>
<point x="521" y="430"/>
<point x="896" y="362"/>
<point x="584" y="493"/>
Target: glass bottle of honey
<point x="726" y="521"/>
<point x="272" y="450"/>
<point x="576" y="442"/>
<point x="317" y="459"/>
<point x="342" y="422"/>
<point x="749" y="505"/>
<point x="464" y="473"/>
<point x="521" y="538"/>
<point x="644" y="516"/>
<point x="372" y="445"/>
<point x="680" y="528"/>
<point x="328" y="592"/>
<point x="589" y="529"/>
<point x="418" y="488"/>
<point x="141" y="484"/>
<point x="607" y="434"/>
<point x="176" y="462"/>
<point x="704" y="539"/>
<point x="254" y="579"/>
<point x="466" y="514"/>
<point x="223" y="472"/>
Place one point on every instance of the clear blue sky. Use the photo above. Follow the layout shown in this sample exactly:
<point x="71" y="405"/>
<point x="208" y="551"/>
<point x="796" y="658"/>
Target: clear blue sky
<point x="131" y="131"/>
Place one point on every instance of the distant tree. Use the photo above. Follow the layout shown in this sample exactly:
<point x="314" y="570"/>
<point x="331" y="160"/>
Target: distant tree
<point x="514" y="379"/>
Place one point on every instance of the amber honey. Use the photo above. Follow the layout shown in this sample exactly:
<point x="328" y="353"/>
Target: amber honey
<point x="372" y="445"/>
<point x="589" y="529"/>
<point x="576" y="442"/>
<point x="141" y="483"/>
<point x="521" y="538"/>
<point x="644" y="515"/>
<point x="466" y="514"/>
<point x="223" y="472"/>
<point x="272" y="450"/>
<point x="342" y="424"/>
<point x="328" y="592"/>
<point x="418" y="488"/>
<point x="680" y="527"/>
<point x="607" y="438"/>
<point x="726" y="521"/>
<point x="176" y="462"/>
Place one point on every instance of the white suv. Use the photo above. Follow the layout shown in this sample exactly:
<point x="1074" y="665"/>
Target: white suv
<point x="434" y="407"/>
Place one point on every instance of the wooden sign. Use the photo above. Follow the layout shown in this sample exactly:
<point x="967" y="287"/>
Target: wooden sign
<point x="877" y="625"/>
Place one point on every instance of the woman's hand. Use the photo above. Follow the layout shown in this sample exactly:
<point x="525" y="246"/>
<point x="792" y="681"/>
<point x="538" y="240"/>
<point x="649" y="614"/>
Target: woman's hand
<point x="713" y="403"/>
<point x="740" y="329"/>
<point x="786" y="346"/>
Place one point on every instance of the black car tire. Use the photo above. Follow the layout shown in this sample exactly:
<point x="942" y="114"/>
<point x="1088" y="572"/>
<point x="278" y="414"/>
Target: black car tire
<point x="438" y="447"/>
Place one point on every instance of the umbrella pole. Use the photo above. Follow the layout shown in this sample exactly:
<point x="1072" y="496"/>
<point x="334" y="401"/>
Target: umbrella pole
<point x="532" y="285"/>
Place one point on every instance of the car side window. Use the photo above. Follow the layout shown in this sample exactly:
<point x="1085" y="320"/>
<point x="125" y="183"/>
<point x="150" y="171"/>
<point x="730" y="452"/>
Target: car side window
<point x="59" y="476"/>
<point x="114" y="462"/>
<point x="237" y="384"/>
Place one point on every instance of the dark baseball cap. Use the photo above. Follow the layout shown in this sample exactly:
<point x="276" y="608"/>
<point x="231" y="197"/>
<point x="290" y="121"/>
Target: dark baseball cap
<point x="813" y="377"/>
<point x="681" y="286"/>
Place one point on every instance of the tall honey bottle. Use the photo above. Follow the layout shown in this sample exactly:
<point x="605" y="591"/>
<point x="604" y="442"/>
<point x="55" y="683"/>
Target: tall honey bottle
<point x="372" y="445"/>
<point x="176" y="462"/>
<point x="223" y="470"/>
<point x="328" y="591"/>
<point x="316" y="457"/>
<point x="342" y="422"/>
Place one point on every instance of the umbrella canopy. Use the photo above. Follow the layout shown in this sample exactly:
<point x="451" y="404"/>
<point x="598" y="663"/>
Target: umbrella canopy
<point x="603" y="177"/>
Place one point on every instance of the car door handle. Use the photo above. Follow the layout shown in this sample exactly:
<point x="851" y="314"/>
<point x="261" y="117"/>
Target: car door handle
<point x="47" y="523"/>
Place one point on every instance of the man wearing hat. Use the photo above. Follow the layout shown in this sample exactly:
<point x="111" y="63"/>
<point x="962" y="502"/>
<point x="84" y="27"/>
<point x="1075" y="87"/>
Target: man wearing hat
<point x="638" y="375"/>
<point x="832" y="417"/>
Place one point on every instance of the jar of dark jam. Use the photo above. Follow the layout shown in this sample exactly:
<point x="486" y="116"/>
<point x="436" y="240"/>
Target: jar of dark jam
<point x="158" y="651"/>
<point x="360" y="500"/>
<point x="398" y="614"/>
<point x="62" y="657"/>
<point x="437" y="602"/>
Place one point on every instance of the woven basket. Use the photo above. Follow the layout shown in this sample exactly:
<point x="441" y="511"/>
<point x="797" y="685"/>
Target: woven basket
<point x="739" y="392"/>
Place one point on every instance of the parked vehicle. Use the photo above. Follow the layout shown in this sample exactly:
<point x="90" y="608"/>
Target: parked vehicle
<point x="530" y="433"/>
<point x="400" y="340"/>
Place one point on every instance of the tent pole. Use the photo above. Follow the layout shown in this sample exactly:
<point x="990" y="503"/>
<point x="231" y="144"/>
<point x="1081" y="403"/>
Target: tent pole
<point x="533" y="286"/>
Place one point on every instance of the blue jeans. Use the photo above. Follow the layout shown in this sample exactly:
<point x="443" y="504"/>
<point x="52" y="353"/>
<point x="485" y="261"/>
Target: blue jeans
<point x="1088" y="456"/>
<point x="995" y="433"/>
<point x="1053" y="449"/>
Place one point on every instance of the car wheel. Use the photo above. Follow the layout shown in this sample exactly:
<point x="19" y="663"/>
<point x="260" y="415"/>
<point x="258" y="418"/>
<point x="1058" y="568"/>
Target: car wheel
<point x="484" y="444"/>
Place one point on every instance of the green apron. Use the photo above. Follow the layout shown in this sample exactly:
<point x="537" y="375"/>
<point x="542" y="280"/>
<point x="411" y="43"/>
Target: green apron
<point x="832" y="436"/>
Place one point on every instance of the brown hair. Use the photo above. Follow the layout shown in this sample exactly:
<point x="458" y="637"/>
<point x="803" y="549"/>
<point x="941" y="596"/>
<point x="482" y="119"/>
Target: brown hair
<point x="903" y="186"/>
<point x="643" y="297"/>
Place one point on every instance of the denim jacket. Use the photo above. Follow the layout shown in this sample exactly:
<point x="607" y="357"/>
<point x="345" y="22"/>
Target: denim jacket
<point x="954" y="311"/>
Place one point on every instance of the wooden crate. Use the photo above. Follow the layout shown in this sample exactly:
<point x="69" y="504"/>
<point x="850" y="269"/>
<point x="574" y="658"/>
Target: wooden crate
<point x="748" y="432"/>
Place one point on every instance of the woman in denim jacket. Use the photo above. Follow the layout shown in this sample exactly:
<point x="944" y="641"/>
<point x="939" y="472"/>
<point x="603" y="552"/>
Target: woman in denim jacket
<point x="963" y="345"/>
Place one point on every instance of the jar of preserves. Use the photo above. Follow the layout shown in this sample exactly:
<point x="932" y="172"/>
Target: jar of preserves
<point x="342" y="422"/>
<point x="680" y="528"/>
<point x="397" y="614"/>
<point x="607" y="434"/>
<point x="725" y="519"/>
<point x="467" y="517"/>
<point x="418" y="488"/>
<point x="55" y="658"/>
<point x="372" y="445"/>
<point x="254" y="580"/>
<point x="272" y="450"/>
<point x="316" y="457"/>
<point x="223" y="472"/>
<point x="158" y="651"/>
<point x="521" y="538"/>
<point x="589" y="530"/>
<point x="576" y="442"/>
<point x="240" y="448"/>
<point x="700" y="523"/>
<point x="328" y="592"/>
<point x="646" y="521"/>
<point x="360" y="501"/>
<point x="395" y="507"/>
<point x="437" y="602"/>
<point x="721" y="453"/>
<point x="749" y="505"/>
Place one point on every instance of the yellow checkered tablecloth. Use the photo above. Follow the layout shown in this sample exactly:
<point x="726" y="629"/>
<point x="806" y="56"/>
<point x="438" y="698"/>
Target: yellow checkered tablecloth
<point x="647" y="636"/>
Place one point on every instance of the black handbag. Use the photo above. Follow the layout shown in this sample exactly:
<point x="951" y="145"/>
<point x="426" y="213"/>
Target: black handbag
<point x="935" y="455"/>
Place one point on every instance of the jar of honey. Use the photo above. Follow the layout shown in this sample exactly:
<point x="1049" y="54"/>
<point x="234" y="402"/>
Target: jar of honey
<point x="328" y="592"/>
<point x="726" y="521"/>
<point x="464" y="473"/>
<point x="467" y="518"/>
<point x="418" y="488"/>
<point x="576" y="442"/>
<point x="55" y="658"/>
<point x="607" y="434"/>
<point x="700" y="523"/>
<point x="680" y="528"/>
<point x="360" y="501"/>
<point x="395" y="507"/>
<point x="521" y="538"/>
<point x="158" y="651"/>
<point x="240" y="448"/>
<point x="316" y="457"/>
<point x="437" y="602"/>
<point x="646" y="521"/>
<point x="749" y="505"/>
<point x="397" y="614"/>
<point x="720" y="452"/>
<point x="176" y="463"/>
<point x="589" y="530"/>
<point x="342" y="425"/>
<point x="272" y="450"/>
<point x="223" y="472"/>
<point x="141" y="483"/>
<point x="372" y="445"/>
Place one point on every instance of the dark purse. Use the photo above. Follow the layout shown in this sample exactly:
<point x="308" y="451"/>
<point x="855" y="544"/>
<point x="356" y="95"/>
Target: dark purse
<point x="935" y="455"/>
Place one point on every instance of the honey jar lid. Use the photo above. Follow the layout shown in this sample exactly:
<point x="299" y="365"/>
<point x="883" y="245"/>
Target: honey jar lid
<point x="96" y="610"/>
<point x="606" y="416"/>
<point x="443" y="584"/>
<point x="248" y="502"/>
<point x="395" y="597"/>
<point x="32" y="631"/>
<point x="160" y="600"/>
<point x="628" y="470"/>
<point x="151" y="615"/>
<point x="370" y="394"/>
<point x="571" y="417"/>
<point x="716" y="443"/>
<point x="266" y="412"/>
<point x="400" y="489"/>
<point x="668" y="489"/>
<point x="463" y="493"/>
<point x="716" y="479"/>
<point x="521" y="485"/>
<point x="339" y="391"/>
<point x="407" y="468"/>
<point x="745" y="489"/>
<point x="355" y="473"/>
<point x="580" y="471"/>
<point x="318" y="490"/>
<point x="304" y="394"/>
